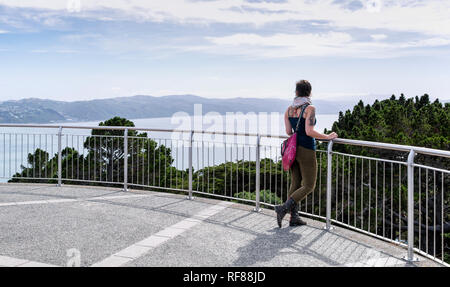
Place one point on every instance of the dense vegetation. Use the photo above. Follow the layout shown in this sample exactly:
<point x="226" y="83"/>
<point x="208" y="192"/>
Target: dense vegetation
<point x="416" y="122"/>
<point x="103" y="160"/>
<point x="368" y="200"/>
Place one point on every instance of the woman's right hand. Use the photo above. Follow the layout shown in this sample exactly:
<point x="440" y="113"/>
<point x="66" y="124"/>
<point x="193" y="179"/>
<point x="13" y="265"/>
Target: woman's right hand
<point x="332" y="136"/>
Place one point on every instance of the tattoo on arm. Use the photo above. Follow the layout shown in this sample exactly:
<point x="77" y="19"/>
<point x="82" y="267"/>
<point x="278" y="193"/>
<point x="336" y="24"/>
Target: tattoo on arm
<point x="312" y="118"/>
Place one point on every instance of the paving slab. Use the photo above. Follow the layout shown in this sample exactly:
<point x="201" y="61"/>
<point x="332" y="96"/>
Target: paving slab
<point x="40" y="224"/>
<point x="19" y="192"/>
<point x="238" y="237"/>
<point x="98" y="228"/>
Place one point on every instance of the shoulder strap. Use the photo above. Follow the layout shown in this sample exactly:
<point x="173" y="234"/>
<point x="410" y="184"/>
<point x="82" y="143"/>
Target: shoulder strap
<point x="298" y="123"/>
<point x="301" y="116"/>
<point x="303" y="110"/>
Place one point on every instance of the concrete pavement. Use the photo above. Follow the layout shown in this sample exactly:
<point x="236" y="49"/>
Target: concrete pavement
<point x="47" y="225"/>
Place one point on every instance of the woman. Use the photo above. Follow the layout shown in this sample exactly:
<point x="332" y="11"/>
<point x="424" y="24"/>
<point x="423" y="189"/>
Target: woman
<point x="304" y="168"/>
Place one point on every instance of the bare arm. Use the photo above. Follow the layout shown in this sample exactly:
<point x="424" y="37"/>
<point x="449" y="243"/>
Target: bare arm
<point x="310" y="116"/>
<point x="287" y="123"/>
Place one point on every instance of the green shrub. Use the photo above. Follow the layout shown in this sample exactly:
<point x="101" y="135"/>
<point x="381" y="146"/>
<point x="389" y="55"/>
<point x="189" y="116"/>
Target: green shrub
<point x="265" y="196"/>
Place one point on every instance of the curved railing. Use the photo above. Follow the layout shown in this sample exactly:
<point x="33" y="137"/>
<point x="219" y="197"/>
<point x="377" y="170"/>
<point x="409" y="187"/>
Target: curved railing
<point x="374" y="188"/>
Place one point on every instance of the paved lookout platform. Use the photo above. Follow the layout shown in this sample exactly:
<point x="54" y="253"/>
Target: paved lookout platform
<point x="45" y="225"/>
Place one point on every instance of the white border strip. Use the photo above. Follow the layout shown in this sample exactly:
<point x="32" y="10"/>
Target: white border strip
<point x="64" y="200"/>
<point x="378" y="262"/>
<point x="6" y="261"/>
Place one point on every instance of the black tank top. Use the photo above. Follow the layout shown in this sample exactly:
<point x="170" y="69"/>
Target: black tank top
<point x="302" y="138"/>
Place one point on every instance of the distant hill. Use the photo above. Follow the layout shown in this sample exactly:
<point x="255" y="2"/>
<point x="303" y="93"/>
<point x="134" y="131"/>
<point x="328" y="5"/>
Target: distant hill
<point x="35" y="110"/>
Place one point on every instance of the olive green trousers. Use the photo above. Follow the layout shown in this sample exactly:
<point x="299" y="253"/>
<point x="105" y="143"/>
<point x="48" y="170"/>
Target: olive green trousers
<point x="303" y="174"/>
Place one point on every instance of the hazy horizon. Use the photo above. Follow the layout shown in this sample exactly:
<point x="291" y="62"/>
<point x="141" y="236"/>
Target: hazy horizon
<point x="350" y="98"/>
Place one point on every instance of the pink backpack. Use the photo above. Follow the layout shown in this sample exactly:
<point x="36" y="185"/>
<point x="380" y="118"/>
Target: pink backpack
<point x="289" y="147"/>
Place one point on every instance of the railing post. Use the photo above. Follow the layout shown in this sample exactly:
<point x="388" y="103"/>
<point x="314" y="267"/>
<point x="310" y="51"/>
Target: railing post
<point x="258" y="173"/>
<point x="329" y="182"/>
<point x="59" y="156"/>
<point x="410" y="255"/>
<point x="191" y="142"/>
<point x="125" y="160"/>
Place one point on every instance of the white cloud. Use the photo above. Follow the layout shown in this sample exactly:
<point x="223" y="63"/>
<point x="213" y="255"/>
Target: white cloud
<point x="327" y="44"/>
<point x="428" y="22"/>
<point x="433" y="42"/>
<point x="67" y="51"/>
<point x="282" y="45"/>
<point x="39" y="51"/>
<point x="429" y="17"/>
<point x="291" y="40"/>
<point x="3" y="32"/>
<point x="378" y="37"/>
<point x="52" y="22"/>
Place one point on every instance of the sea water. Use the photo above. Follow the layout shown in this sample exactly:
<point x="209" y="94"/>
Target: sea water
<point x="17" y="143"/>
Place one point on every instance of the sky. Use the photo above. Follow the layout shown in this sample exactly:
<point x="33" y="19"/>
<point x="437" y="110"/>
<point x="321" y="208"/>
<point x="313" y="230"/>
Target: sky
<point x="348" y="49"/>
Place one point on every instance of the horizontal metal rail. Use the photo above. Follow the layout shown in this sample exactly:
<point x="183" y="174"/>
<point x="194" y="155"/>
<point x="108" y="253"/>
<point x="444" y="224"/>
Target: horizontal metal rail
<point x="405" y="148"/>
<point x="398" y="201"/>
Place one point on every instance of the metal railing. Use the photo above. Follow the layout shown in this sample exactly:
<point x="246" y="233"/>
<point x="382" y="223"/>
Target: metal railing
<point x="386" y="195"/>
